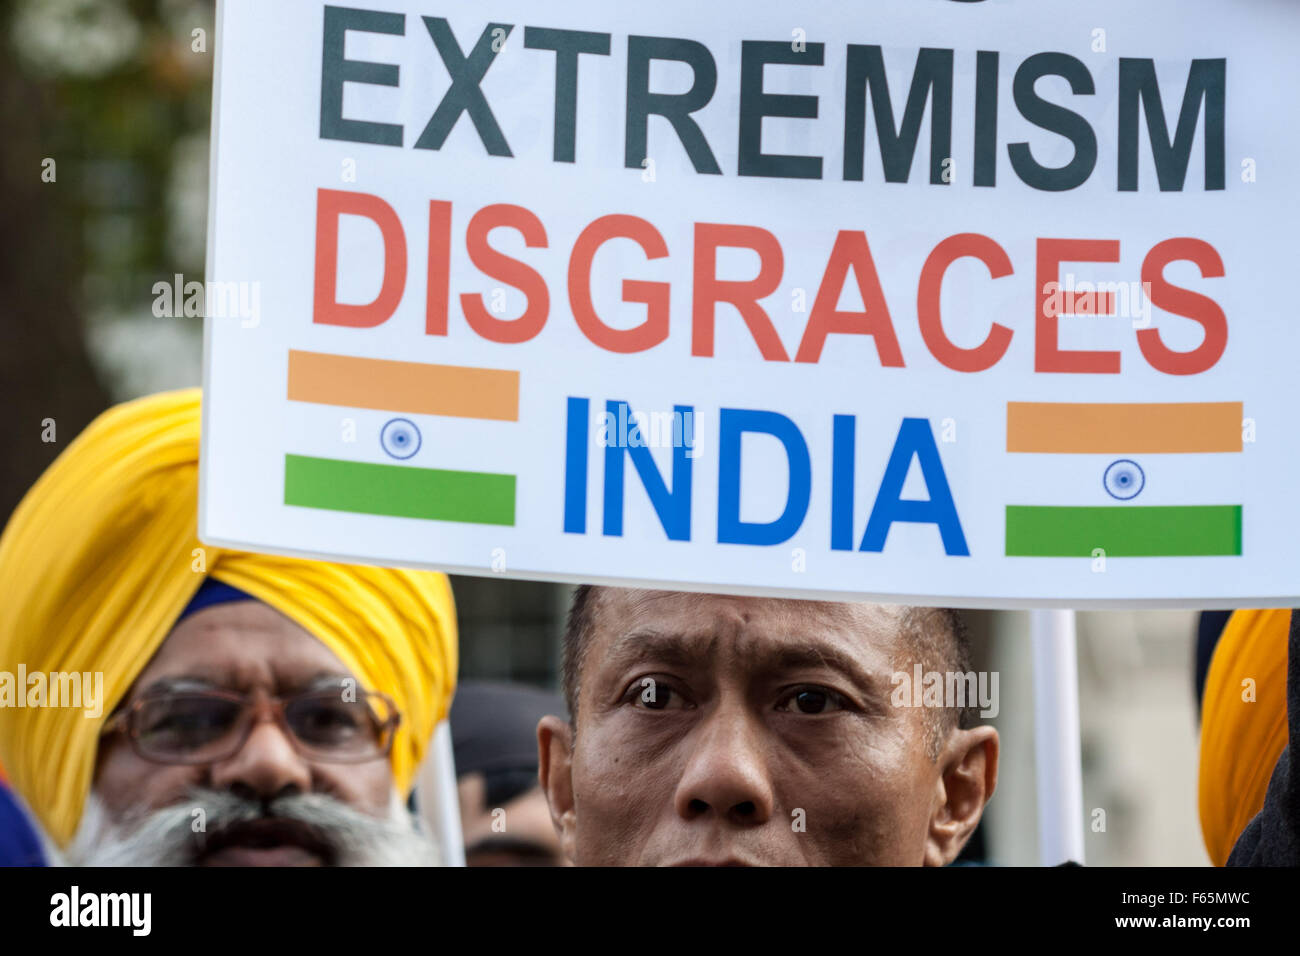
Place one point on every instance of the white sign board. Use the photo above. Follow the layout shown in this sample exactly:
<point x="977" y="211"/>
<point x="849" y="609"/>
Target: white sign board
<point x="984" y="304"/>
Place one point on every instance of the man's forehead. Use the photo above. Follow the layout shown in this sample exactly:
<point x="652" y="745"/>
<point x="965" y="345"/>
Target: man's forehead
<point x="240" y="645"/>
<point x="622" y="610"/>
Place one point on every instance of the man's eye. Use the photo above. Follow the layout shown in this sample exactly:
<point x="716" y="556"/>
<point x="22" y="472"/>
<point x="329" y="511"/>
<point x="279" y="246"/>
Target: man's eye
<point x="812" y="700"/>
<point x="656" y="695"/>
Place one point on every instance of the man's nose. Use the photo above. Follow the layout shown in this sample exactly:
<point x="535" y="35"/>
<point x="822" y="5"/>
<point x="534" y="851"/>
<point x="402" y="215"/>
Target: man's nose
<point x="267" y="766"/>
<point x="726" y="772"/>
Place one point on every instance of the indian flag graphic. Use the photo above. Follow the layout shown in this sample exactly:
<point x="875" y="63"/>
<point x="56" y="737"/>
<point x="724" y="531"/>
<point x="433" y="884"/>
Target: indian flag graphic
<point x="1125" y="430"/>
<point x="407" y="388"/>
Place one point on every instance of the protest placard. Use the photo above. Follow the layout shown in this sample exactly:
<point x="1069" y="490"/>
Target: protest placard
<point x="968" y="303"/>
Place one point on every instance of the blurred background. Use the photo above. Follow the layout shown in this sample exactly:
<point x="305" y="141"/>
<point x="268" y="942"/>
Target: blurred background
<point x="104" y="176"/>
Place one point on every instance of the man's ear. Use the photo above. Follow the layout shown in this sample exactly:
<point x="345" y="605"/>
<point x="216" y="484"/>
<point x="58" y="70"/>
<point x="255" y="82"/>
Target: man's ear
<point x="555" y="773"/>
<point x="968" y="775"/>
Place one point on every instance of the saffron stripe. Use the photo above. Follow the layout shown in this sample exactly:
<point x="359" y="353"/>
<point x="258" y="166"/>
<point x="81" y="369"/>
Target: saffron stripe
<point x="1124" y="427"/>
<point x="414" y="387"/>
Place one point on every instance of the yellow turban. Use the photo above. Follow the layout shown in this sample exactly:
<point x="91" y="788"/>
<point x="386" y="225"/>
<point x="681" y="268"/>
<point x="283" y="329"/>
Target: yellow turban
<point x="1240" y="739"/>
<point x="101" y="557"/>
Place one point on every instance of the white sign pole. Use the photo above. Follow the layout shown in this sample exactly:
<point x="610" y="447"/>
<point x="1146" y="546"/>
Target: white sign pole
<point x="1056" y="737"/>
<point x="447" y="802"/>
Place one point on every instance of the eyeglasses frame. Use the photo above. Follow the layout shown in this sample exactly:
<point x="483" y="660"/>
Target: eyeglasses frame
<point x="122" y="722"/>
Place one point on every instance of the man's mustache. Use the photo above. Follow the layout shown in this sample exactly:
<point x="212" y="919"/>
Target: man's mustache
<point x="207" y="821"/>
<point x="319" y="824"/>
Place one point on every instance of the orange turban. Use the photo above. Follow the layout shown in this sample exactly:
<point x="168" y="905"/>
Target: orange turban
<point x="1243" y="724"/>
<point x="101" y="557"/>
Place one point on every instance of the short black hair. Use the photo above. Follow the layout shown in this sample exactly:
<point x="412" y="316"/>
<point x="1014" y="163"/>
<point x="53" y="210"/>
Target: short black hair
<point x="939" y="638"/>
<point x="577" y="630"/>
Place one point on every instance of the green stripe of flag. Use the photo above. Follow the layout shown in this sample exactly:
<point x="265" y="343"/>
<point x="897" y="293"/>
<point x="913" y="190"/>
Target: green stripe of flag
<point x="399" y="490"/>
<point x="1123" y="532"/>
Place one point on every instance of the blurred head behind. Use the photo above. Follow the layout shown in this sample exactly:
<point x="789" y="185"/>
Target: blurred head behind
<point x="716" y="730"/>
<point x="504" y="817"/>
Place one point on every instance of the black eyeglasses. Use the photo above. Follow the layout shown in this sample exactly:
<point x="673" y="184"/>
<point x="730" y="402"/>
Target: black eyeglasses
<point x="337" y="725"/>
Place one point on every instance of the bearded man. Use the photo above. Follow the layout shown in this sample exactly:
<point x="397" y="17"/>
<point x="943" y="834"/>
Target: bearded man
<point x="256" y="709"/>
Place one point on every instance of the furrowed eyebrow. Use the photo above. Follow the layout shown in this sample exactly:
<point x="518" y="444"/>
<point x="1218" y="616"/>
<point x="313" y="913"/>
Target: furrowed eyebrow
<point x="768" y="655"/>
<point x="178" y="685"/>
<point x="328" y="682"/>
<point x="671" y="648"/>
<point x="802" y="655"/>
<point x="190" y="683"/>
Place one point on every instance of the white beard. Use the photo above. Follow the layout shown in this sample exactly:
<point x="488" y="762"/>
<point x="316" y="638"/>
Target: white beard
<point x="166" y="837"/>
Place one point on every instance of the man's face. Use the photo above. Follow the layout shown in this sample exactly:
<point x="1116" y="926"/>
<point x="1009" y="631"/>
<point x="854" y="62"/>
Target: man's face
<point x="244" y="647"/>
<point x="715" y="730"/>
